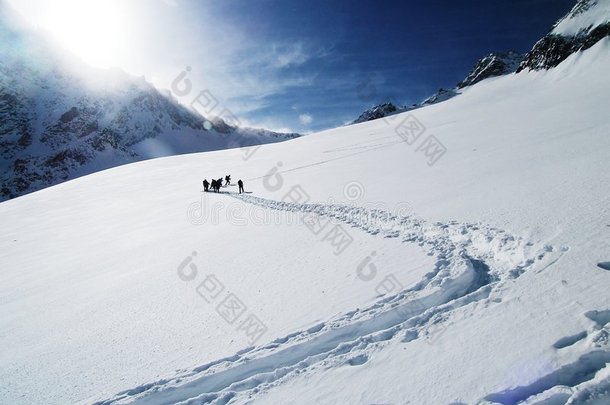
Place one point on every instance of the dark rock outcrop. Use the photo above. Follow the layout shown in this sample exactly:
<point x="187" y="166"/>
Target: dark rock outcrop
<point x="494" y="64"/>
<point x="378" y="111"/>
<point x="563" y="41"/>
<point x="553" y="49"/>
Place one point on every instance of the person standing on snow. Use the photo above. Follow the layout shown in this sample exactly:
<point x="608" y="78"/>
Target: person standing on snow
<point x="241" y="186"/>
<point x="206" y="184"/>
<point x="228" y="179"/>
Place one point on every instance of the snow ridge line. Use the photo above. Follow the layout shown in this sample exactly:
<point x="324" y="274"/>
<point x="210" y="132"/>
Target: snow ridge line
<point x="471" y="260"/>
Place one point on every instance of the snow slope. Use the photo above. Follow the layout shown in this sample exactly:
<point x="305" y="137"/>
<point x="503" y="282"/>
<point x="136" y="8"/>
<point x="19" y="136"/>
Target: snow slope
<point x="472" y="278"/>
<point x="61" y="119"/>
<point x="586" y="15"/>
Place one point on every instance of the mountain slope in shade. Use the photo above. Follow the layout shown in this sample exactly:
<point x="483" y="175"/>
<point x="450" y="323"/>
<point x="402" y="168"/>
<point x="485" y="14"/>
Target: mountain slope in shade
<point x="60" y="119"/>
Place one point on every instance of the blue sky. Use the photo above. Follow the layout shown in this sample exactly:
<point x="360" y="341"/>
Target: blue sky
<point x="301" y="66"/>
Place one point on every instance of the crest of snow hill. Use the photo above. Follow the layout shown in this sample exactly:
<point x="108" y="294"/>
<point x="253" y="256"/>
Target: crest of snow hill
<point x="587" y="23"/>
<point x="60" y="119"/>
<point x="57" y="124"/>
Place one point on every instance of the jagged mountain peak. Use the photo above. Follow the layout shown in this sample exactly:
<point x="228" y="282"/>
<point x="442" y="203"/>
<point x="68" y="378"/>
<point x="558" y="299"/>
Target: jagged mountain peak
<point x="585" y="16"/>
<point x="493" y="64"/>
<point x="375" y="112"/>
<point x="582" y="27"/>
<point x="440" y="96"/>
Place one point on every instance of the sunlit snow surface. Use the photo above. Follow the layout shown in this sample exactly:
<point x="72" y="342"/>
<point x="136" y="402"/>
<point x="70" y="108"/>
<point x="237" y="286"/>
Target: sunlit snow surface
<point x="110" y="285"/>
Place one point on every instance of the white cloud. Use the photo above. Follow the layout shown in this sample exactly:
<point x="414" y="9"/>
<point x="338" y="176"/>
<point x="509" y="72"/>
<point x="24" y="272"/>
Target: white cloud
<point x="305" y="119"/>
<point x="291" y="55"/>
<point x="269" y="124"/>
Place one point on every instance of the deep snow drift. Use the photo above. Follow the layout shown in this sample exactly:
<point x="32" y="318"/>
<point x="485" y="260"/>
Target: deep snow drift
<point x="455" y="254"/>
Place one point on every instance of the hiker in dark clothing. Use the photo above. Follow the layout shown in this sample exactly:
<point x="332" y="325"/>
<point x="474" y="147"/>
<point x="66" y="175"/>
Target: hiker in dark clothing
<point x="228" y="179"/>
<point x="219" y="183"/>
<point x="206" y="184"/>
<point x="241" y="186"/>
<point x="215" y="185"/>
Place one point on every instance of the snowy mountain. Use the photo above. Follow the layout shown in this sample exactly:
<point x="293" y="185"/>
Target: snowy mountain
<point x="438" y="97"/>
<point x="585" y="25"/>
<point x="454" y="254"/>
<point x="465" y="263"/>
<point x="60" y="119"/>
<point x="492" y="65"/>
<point x="376" y="112"/>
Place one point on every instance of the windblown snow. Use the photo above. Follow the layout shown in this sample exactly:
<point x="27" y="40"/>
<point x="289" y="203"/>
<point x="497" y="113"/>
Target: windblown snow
<point x="451" y="254"/>
<point x="585" y="15"/>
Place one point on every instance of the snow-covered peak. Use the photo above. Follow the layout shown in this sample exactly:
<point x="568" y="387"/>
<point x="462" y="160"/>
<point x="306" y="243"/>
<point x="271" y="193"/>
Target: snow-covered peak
<point x="584" y="16"/>
<point x="438" y="97"/>
<point x="491" y="65"/>
<point x="494" y="64"/>
<point x="375" y="112"/>
<point x="586" y="24"/>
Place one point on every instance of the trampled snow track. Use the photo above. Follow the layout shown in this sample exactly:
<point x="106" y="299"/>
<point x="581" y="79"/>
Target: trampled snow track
<point x="471" y="261"/>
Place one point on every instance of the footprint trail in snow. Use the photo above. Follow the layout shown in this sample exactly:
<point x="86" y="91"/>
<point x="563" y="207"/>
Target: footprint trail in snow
<point x="471" y="261"/>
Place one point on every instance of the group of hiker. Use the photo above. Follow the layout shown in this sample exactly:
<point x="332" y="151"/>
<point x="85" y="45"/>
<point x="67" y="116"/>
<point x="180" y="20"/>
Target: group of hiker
<point x="216" y="184"/>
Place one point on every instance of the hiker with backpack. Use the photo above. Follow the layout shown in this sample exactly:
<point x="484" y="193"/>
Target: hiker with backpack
<point x="241" y="186"/>
<point x="215" y="185"/>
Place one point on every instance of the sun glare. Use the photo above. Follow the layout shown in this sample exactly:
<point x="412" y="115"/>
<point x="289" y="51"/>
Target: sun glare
<point x="92" y="29"/>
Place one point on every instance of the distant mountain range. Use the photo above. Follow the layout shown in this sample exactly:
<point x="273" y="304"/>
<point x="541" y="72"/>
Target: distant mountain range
<point x="494" y="64"/>
<point x="61" y="119"/>
<point x="587" y="23"/>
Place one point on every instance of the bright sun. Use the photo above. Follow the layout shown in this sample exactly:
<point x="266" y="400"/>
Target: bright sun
<point x="92" y="29"/>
